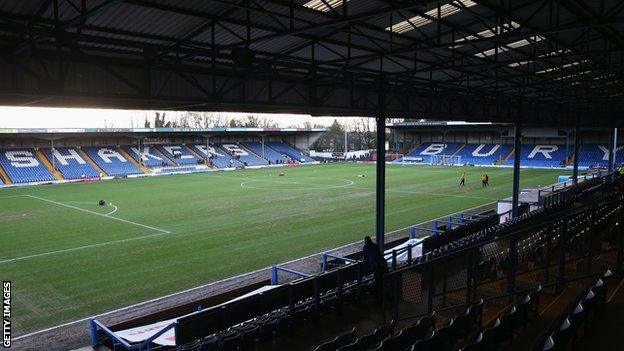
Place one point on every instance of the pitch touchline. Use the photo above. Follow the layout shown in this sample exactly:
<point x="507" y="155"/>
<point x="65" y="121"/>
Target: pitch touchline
<point x="81" y="247"/>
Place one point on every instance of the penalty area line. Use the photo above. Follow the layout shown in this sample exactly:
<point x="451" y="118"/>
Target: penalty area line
<point x="107" y="215"/>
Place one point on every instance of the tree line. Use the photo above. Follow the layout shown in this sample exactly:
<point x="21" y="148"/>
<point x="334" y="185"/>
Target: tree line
<point x="361" y="131"/>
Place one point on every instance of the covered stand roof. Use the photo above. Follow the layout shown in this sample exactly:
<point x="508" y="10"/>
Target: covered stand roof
<point x="546" y="61"/>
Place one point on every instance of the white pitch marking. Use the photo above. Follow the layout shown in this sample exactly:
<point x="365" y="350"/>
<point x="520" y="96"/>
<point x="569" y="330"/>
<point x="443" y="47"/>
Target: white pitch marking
<point x="113" y="211"/>
<point x="223" y="280"/>
<point x="161" y="232"/>
<point x="94" y="203"/>
<point x="320" y="186"/>
<point x="427" y="193"/>
<point x="99" y="214"/>
<point x="11" y="196"/>
<point x="82" y="247"/>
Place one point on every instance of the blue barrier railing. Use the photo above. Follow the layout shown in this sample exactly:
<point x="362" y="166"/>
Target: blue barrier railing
<point x="276" y="269"/>
<point x="325" y="256"/>
<point x="117" y="341"/>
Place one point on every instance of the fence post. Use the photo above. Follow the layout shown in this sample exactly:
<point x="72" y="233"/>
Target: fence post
<point x="590" y="227"/>
<point x="291" y="300"/>
<point x="512" y="259"/>
<point x="469" y="276"/>
<point x="323" y="261"/>
<point x="317" y="296"/>
<point x="449" y="223"/>
<point x="620" y="242"/>
<point x="274" y="278"/>
<point x="430" y="289"/>
<point x="394" y="260"/>
<point x="409" y="254"/>
<point x="562" y="257"/>
<point x="339" y="286"/>
<point x="444" y="276"/>
<point x="94" y="337"/>
<point x="548" y="252"/>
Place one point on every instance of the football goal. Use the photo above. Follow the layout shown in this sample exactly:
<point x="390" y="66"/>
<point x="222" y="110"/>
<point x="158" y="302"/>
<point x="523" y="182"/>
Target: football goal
<point x="445" y="160"/>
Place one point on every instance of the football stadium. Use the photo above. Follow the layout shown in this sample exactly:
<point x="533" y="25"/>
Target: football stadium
<point x="407" y="176"/>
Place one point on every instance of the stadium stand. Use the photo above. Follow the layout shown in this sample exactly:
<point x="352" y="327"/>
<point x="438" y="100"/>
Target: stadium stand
<point x="242" y="155"/>
<point x="111" y="161"/>
<point x="178" y="153"/>
<point x="70" y="163"/>
<point x="269" y="154"/>
<point x="293" y="153"/>
<point x="542" y="156"/>
<point x="24" y="166"/>
<point x="484" y="154"/>
<point x="150" y="157"/>
<point x="426" y="150"/>
<point x="219" y="157"/>
<point x="597" y="156"/>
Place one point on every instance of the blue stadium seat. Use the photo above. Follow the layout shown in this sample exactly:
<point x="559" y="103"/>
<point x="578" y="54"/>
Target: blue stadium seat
<point x="220" y="158"/>
<point x="269" y="153"/>
<point x="178" y="153"/>
<point x="244" y="156"/>
<point x="289" y="151"/>
<point x="71" y="163"/>
<point x="24" y="166"/>
<point x="111" y="160"/>
<point x="484" y="154"/>
<point x="542" y="155"/>
<point x="426" y="150"/>
<point x="149" y="156"/>
<point x="597" y="156"/>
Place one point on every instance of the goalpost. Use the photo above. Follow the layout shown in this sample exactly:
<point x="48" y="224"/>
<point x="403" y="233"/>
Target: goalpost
<point x="445" y="160"/>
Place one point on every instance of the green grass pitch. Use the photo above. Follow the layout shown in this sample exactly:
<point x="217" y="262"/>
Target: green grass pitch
<point x="69" y="258"/>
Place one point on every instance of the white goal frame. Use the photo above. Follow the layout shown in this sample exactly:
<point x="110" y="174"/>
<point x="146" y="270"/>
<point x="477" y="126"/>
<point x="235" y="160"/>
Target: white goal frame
<point x="445" y="160"/>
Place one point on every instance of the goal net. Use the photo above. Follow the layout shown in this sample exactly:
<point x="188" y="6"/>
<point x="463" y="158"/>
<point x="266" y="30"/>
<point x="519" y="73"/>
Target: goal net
<point x="445" y="160"/>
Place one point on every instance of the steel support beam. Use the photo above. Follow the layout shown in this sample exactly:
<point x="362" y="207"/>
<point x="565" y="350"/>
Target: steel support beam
<point x="516" y="169"/>
<point x="612" y="148"/>
<point x="576" y="154"/>
<point x="381" y="183"/>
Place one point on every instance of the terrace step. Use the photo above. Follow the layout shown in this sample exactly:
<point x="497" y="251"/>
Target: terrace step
<point x="136" y="163"/>
<point x="253" y="152"/>
<point x="459" y="150"/>
<point x="511" y="152"/>
<point x="5" y="176"/>
<point x="93" y="164"/>
<point x="198" y="156"/>
<point x="48" y="164"/>
<point x="167" y="158"/>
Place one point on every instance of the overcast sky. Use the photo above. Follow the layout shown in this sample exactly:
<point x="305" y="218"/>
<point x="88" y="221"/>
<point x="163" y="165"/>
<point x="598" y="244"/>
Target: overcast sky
<point x="35" y="117"/>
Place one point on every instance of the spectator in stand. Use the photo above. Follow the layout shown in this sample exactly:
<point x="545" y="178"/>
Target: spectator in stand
<point x="375" y="261"/>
